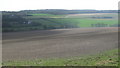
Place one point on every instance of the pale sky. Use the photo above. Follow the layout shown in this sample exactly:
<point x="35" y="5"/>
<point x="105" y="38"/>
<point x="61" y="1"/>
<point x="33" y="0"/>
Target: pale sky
<point x="16" y="5"/>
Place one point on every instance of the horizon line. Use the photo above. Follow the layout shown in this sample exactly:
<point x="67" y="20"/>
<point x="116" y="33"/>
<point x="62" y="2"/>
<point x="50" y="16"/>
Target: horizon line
<point x="58" y="9"/>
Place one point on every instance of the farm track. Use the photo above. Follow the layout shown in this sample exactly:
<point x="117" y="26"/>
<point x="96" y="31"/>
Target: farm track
<point x="31" y="45"/>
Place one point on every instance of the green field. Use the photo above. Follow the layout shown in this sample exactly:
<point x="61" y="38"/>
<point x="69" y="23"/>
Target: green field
<point x="43" y="21"/>
<point x="108" y="58"/>
<point x="75" y="21"/>
<point x="79" y="20"/>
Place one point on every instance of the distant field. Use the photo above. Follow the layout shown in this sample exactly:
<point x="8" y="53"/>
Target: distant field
<point x="44" y="16"/>
<point x="44" y="21"/>
<point x="79" y="20"/>
<point x="87" y="15"/>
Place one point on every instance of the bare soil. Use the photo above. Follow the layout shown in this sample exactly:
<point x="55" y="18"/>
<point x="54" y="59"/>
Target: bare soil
<point x="58" y="43"/>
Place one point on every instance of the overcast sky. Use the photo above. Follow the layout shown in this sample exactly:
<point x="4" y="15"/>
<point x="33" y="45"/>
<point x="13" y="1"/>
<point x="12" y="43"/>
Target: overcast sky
<point x="16" y="5"/>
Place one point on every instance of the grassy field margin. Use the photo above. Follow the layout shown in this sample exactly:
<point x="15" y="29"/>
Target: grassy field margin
<point x="108" y="58"/>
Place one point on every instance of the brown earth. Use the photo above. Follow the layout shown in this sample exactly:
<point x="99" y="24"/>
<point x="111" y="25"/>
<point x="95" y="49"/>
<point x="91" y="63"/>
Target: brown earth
<point x="56" y="43"/>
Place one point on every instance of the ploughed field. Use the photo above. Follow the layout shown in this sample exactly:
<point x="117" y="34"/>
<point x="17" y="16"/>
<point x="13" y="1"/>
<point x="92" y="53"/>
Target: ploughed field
<point x="57" y="43"/>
